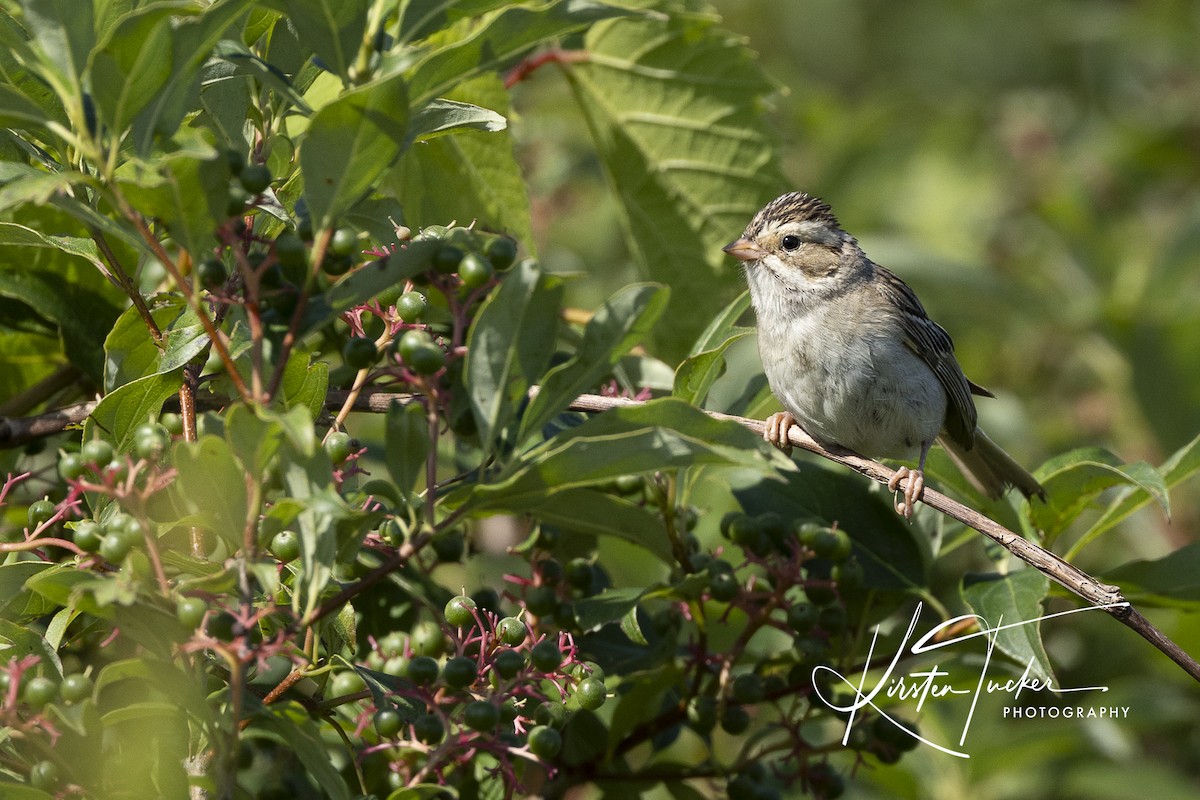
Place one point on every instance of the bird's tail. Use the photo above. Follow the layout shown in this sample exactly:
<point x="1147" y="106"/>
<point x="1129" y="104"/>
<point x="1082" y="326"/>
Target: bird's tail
<point x="990" y="469"/>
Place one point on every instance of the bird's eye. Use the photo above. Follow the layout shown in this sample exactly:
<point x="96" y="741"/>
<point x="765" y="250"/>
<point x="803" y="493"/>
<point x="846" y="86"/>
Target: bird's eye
<point x="790" y="242"/>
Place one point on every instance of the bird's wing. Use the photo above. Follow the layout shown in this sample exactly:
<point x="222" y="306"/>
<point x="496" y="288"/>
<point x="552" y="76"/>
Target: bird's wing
<point x="931" y="342"/>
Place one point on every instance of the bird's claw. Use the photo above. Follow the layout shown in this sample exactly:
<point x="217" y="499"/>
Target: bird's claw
<point x="776" y="430"/>
<point x="914" y="487"/>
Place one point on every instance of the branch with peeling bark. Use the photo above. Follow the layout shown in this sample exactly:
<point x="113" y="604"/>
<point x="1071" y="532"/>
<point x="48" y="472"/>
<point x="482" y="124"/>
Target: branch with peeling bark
<point x="15" y="431"/>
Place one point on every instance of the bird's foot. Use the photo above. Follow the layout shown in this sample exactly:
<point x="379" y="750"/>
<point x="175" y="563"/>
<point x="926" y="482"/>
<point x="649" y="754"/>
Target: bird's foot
<point x="776" y="431"/>
<point x="914" y="487"/>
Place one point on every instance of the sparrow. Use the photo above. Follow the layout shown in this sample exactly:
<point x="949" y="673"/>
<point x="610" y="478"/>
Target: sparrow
<point x="854" y="359"/>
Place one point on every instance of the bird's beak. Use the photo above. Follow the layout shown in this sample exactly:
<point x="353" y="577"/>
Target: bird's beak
<point x="744" y="250"/>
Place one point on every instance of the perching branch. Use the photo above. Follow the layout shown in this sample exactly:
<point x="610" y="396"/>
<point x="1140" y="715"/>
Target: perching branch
<point x="15" y="431"/>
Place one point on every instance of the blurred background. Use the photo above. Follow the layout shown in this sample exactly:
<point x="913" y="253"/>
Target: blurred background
<point x="1032" y="169"/>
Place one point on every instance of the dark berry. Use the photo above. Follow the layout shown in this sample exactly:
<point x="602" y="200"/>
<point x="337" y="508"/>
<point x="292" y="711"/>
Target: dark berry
<point x="359" y="352"/>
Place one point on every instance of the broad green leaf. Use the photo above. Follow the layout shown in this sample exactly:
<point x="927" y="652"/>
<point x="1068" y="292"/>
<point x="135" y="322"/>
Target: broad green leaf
<point x="615" y="327"/>
<point x="17" y="602"/>
<point x="1172" y="581"/>
<point x="122" y="410"/>
<point x="493" y="40"/>
<point x="304" y="383"/>
<point x="1013" y="598"/>
<point x="254" y="435"/>
<point x="19" y="641"/>
<point x="212" y="484"/>
<point x="675" y="107"/>
<point x="506" y="347"/>
<point x="333" y="28"/>
<point x="243" y="61"/>
<point x="440" y="117"/>
<point x="470" y="175"/>
<point x="608" y="606"/>
<point x="129" y="349"/>
<point x="657" y="435"/>
<point x="350" y="143"/>
<point x="406" y="443"/>
<point x="421" y="18"/>
<point x="23" y="184"/>
<point x="133" y="63"/>
<point x="1182" y="464"/>
<point x="1073" y="480"/>
<point x="187" y="189"/>
<point x="63" y="35"/>
<point x="600" y="514"/>
<point x="696" y="375"/>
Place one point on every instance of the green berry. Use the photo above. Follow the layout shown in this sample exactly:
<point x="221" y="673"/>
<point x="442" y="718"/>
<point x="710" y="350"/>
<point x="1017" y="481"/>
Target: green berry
<point x="114" y="548"/>
<point x="387" y="722"/>
<point x="511" y="631"/>
<point x="460" y="672"/>
<point x="847" y="574"/>
<point x="501" y="252"/>
<point x="236" y="161"/>
<point x="75" y="688"/>
<point x="422" y="670"/>
<point x="702" y="713"/>
<point x="255" y="178"/>
<point x="900" y="734"/>
<point x="212" y="273"/>
<point x="541" y="601"/>
<point x="591" y="693"/>
<point x="88" y="535"/>
<point x="735" y="720"/>
<point x="474" y="271"/>
<point x="447" y="258"/>
<point x="39" y="691"/>
<point x="430" y="232"/>
<point x="723" y="586"/>
<point x="346" y="682"/>
<point x="236" y="201"/>
<point x="285" y="546"/>
<point x="290" y="251"/>
<point x="832" y="544"/>
<point x="337" y="265"/>
<point x="802" y="617"/>
<point x="544" y="742"/>
<point x="97" y="451"/>
<point x="173" y="423"/>
<point x="338" y="446"/>
<point x="410" y="341"/>
<point x="579" y="573"/>
<point x="747" y="688"/>
<point x="428" y="639"/>
<point x="508" y="663"/>
<point x="411" y="307"/>
<point x="427" y="359"/>
<point x="45" y="775"/>
<point x="459" y="611"/>
<point x="190" y="610"/>
<point x="450" y="547"/>
<point x="71" y="466"/>
<point x="481" y="715"/>
<point x="832" y="619"/>
<point x="344" y="242"/>
<point x="546" y="655"/>
<point x="429" y="729"/>
<point x="359" y="352"/>
<point x="39" y="511"/>
<point x="150" y="440"/>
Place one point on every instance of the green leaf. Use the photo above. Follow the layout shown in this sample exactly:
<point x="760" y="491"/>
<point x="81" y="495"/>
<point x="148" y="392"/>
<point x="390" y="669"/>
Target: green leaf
<point x="657" y="435"/>
<point x="596" y="513"/>
<point x="254" y="435"/>
<point x="212" y="484"/>
<point x="675" y="107"/>
<point x="494" y="39"/>
<point x="406" y="444"/>
<point x="122" y="410"/>
<point x="506" y="347"/>
<point x="63" y="34"/>
<point x="350" y="143"/>
<point x="615" y="327"/>
<point x="1013" y="599"/>
<point x="470" y="175"/>
<point x="245" y="62"/>
<point x="1182" y="464"/>
<point x="1172" y="581"/>
<point x="188" y="189"/>
<point x="606" y="607"/>
<point x="333" y="28"/>
<point x="17" y="602"/>
<point x="82" y="315"/>
<point x="443" y="116"/>
<point x="289" y="724"/>
<point x="1073" y="480"/>
<point x="133" y="63"/>
<point x="696" y="374"/>
<point x="304" y="383"/>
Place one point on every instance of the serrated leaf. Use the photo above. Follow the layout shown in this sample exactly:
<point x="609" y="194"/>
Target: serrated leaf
<point x="1013" y="598"/>
<point x="620" y="323"/>
<point x="470" y="175"/>
<point x="351" y="142"/>
<point x="675" y="108"/>
<point x="1073" y="480"/>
